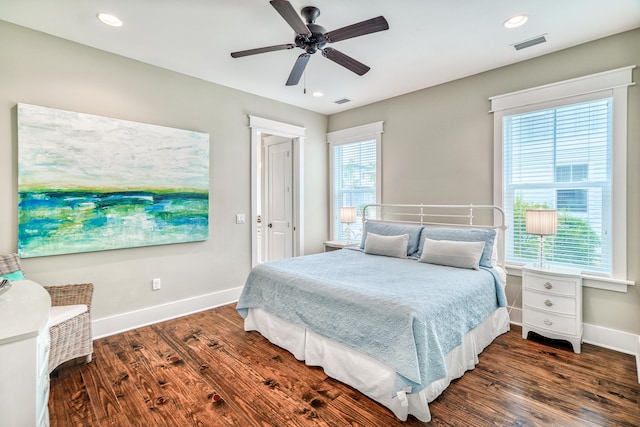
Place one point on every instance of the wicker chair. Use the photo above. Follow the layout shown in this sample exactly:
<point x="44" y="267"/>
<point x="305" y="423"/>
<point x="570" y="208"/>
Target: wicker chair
<point x="71" y="338"/>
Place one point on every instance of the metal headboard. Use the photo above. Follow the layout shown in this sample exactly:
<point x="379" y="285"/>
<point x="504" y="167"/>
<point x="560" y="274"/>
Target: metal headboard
<point x="455" y="215"/>
<point x="490" y="216"/>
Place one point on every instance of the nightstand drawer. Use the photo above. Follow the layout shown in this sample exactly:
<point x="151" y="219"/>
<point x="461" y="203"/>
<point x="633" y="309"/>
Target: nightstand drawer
<point x="549" y="302"/>
<point x="551" y="322"/>
<point x="551" y="284"/>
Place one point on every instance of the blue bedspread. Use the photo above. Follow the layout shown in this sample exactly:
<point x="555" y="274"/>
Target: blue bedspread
<point x="406" y="314"/>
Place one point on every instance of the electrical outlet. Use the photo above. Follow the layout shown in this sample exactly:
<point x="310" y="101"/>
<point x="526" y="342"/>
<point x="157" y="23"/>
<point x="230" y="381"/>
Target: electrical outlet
<point x="155" y="284"/>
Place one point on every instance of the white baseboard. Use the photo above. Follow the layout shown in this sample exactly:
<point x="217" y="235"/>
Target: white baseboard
<point x="638" y="361"/>
<point x="134" y="319"/>
<point x="623" y="342"/>
<point x="515" y="315"/>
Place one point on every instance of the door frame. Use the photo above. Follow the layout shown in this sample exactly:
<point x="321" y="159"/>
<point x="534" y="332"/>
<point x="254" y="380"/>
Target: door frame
<point x="258" y="126"/>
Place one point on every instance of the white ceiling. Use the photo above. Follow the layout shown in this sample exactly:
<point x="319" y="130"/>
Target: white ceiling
<point x="429" y="41"/>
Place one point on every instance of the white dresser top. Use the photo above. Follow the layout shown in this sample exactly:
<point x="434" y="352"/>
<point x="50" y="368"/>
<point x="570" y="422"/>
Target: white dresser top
<point x="552" y="269"/>
<point x="24" y="311"/>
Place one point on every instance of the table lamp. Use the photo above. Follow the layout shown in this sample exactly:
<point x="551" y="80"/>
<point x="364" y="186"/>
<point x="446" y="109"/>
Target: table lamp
<point x="541" y="222"/>
<point x="348" y="216"/>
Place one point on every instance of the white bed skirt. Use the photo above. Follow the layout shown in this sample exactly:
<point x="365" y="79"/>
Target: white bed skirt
<point x="368" y="375"/>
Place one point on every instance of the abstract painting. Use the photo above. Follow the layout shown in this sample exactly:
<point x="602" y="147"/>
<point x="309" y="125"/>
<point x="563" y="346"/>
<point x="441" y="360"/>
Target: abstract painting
<point x="91" y="183"/>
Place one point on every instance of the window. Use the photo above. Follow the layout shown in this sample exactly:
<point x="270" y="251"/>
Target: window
<point x="540" y="148"/>
<point x="571" y="201"/>
<point x="571" y="173"/>
<point x="355" y="175"/>
<point x="563" y="147"/>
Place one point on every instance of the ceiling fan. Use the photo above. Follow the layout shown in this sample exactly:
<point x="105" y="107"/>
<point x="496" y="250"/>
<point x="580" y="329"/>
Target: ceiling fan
<point x="312" y="37"/>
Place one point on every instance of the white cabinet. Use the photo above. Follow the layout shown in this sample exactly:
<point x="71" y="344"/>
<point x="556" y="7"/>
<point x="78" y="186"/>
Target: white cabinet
<point x="24" y="355"/>
<point x="552" y="303"/>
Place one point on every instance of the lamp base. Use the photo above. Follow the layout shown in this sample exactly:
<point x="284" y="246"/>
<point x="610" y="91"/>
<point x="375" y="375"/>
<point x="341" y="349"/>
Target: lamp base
<point x="348" y="232"/>
<point x="541" y="266"/>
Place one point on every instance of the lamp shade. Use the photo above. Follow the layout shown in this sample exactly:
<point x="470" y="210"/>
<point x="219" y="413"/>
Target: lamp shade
<point x="347" y="214"/>
<point x="542" y="222"/>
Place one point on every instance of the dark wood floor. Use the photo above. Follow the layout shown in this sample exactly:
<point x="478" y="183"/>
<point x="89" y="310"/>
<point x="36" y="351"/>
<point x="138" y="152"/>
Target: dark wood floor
<point x="204" y="370"/>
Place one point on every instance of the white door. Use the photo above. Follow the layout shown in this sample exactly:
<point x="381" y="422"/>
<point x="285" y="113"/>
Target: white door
<point x="278" y="198"/>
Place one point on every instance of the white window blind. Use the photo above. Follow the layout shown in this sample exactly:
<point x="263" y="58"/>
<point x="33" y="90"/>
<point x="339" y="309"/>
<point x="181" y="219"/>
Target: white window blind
<point x="355" y="176"/>
<point x="354" y="184"/>
<point x="561" y="158"/>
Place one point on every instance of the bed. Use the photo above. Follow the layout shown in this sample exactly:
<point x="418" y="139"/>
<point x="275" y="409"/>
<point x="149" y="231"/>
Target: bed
<point x="399" y="317"/>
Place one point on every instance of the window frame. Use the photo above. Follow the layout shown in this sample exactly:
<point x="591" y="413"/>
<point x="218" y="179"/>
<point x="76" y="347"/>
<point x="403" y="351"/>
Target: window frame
<point x="368" y="132"/>
<point x="612" y="84"/>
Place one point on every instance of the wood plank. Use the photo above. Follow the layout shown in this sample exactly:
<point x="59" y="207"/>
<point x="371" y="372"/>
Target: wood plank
<point x="224" y="368"/>
<point x="69" y="404"/>
<point x="135" y="381"/>
<point x="517" y="382"/>
<point x="104" y="401"/>
<point x="343" y="400"/>
<point x="178" y="386"/>
<point x="284" y="372"/>
<point x="552" y="368"/>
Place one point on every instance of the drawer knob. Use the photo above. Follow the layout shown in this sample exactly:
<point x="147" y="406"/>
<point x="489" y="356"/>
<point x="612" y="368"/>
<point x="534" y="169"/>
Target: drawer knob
<point x="548" y="322"/>
<point x="548" y="285"/>
<point x="548" y="303"/>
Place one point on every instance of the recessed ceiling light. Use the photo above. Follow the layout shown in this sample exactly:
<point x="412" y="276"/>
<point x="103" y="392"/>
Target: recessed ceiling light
<point x="317" y="93"/>
<point x="516" y="21"/>
<point x="109" y="19"/>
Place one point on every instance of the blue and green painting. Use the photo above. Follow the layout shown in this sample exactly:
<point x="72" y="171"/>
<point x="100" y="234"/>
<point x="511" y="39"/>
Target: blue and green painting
<point x="90" y="183"/>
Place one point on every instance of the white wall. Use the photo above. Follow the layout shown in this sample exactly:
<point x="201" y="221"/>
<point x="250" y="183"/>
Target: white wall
<point x="43" y="70"/>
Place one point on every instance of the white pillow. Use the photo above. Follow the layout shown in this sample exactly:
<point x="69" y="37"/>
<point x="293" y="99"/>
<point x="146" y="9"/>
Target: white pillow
<point x="451" y="253"/>
<point x="393" y="246"/>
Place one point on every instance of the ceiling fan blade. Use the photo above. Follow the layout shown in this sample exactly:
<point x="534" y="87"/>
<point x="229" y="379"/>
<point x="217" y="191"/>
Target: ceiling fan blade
<point x="248" y="52"/>
<point x="290" y="15"/>
<point x="298" y="69"/>
<point x="345" y="60"/>
<point x="369" y="26"/>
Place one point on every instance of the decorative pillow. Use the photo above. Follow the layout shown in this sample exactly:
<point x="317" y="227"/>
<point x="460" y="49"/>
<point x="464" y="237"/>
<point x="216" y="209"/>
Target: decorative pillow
<point x="16" y="275"/>
<point x="391" y="229"/>
<point x="393" y="246"/>
<point x="453" y="254"/>
<point x="486" y="235"/>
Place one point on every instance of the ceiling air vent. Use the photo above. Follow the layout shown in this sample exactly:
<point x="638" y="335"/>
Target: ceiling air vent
<point x="342" y="101"/>
<point x="531" y="42"/>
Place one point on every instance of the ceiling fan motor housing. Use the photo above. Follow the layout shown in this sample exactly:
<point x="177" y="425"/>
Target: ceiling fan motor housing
<point x="313" y="42"/>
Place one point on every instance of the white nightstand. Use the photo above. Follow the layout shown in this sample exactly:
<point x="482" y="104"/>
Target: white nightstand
<point x="552" y="303"/>
<point x="334" y="245"/>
